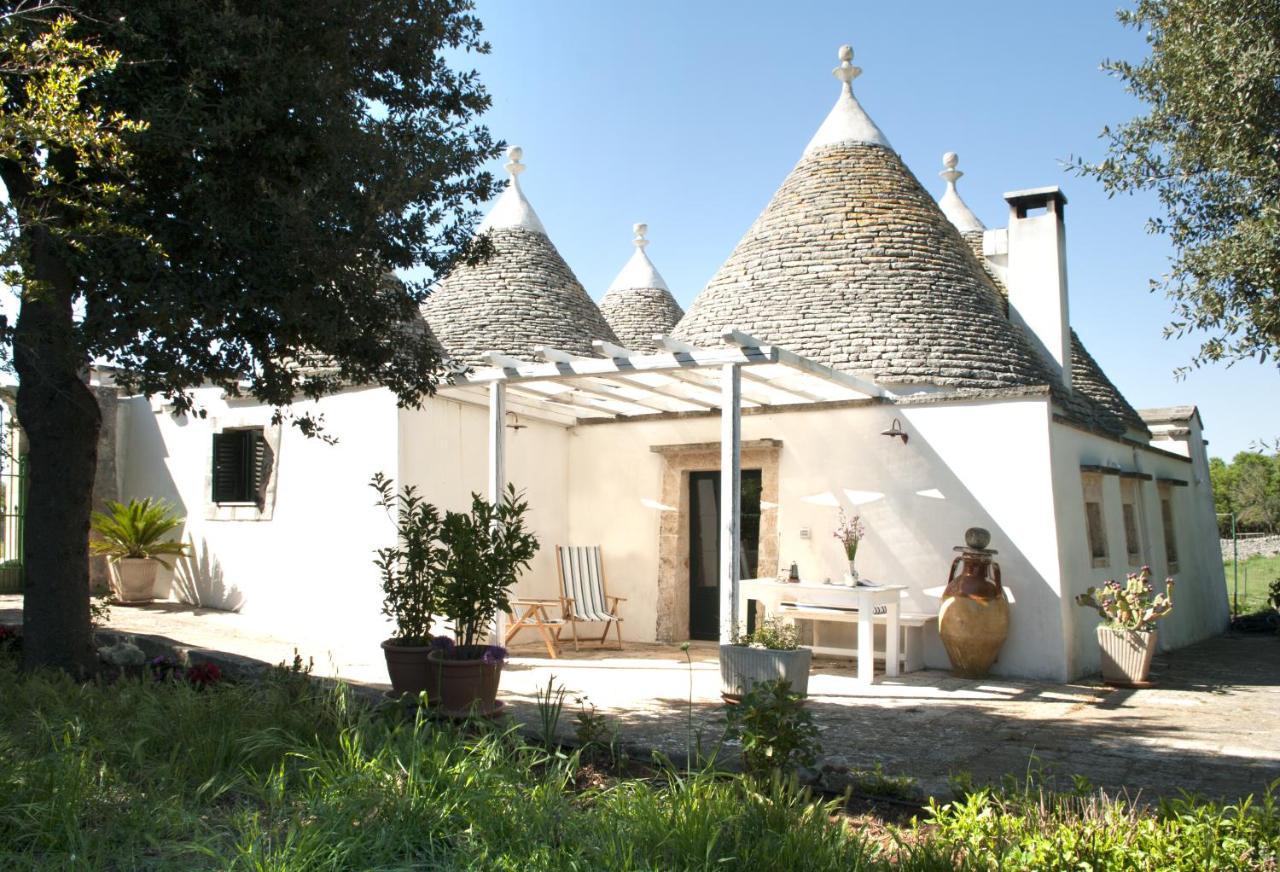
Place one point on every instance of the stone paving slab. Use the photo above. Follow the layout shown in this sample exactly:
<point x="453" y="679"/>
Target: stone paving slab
<point x="1210" y="725"/>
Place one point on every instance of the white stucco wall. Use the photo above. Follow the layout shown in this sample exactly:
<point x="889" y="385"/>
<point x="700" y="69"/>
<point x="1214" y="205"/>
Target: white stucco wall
<point x="307" y="568"/>
<point x="444" y="451"/>
<point x="1200" y="603"/>
<point x="988" y="461"/>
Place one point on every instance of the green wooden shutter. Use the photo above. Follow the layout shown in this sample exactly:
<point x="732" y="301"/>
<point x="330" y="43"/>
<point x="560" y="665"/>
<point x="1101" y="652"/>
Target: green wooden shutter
<point x="231" y="453"/>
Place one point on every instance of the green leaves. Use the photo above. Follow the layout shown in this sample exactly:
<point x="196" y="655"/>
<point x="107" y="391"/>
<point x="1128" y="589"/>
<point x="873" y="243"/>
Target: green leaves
<point x="1209" y="147"/>
<point x="136" y="530"/>
<point x="460" y="565"/>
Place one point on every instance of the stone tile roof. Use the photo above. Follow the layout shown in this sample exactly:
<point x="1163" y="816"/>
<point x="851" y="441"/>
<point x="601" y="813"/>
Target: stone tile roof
<point x="521" y="296"/>
<point x="636" y="314"/>
<point x="852" y="264"/>
<point x="638" y="303"/>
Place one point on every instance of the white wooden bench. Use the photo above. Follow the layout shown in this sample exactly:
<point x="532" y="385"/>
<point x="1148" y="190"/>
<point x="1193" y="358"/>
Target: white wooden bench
<point x="911" y="651"/>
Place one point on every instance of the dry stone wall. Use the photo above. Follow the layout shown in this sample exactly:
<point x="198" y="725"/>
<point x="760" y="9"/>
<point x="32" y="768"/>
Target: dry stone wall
<point x="1254" y="546"/>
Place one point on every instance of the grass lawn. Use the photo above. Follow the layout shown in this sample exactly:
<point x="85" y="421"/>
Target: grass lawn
<point x="279" y="775"/>
<point x="1256" y="575"/>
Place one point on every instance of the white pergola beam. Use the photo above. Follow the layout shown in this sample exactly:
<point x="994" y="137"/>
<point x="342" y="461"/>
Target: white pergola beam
<point x="791" y="359"/>
<point x="677" y="346"/>
<point x="611" y="350"/>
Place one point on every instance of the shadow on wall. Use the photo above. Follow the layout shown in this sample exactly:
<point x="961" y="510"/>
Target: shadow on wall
<point x="198" y="580"/>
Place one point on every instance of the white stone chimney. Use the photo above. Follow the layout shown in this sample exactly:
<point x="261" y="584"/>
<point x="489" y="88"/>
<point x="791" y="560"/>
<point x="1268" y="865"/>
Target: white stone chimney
<point x="1037" y="273"/>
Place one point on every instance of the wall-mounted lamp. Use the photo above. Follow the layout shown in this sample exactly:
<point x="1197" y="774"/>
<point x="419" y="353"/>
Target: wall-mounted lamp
<point x="513" y="422"/>
<point x="895" y="429"/>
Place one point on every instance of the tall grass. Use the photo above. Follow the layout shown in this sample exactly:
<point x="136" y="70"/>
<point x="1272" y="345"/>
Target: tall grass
<point x="277" y="776"/>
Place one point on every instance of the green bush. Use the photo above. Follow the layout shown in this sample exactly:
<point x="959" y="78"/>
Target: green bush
<point x="776" y="731"/>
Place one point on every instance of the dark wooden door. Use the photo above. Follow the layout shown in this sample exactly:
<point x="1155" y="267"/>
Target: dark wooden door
<point x="704" y="546"/>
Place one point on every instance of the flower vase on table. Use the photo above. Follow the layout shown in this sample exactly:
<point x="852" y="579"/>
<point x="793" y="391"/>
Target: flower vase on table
<point x="849" y="530"/>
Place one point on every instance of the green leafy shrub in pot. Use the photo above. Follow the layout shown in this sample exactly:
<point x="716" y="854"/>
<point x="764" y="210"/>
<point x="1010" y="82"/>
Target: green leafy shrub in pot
<point x="484" y="552"/>
<point x="774" y="728"/>
<point x="772" y="635"/>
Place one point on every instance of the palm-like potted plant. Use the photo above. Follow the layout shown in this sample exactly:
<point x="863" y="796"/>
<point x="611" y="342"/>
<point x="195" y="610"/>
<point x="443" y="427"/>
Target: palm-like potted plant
<point x="771" y="653"/>
<point x="1127" y="634"/>
<point x="134" y="538"/>
<point x="484" y="552"/>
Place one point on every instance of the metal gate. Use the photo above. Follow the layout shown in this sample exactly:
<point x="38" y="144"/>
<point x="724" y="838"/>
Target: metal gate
<point x="13" y="505"/>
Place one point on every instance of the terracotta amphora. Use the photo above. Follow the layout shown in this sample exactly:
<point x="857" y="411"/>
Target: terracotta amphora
<point x="974" y="618"/>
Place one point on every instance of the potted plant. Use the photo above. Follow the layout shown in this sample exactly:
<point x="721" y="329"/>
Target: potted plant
<point x="770" y="653"/>
<point x="1127" y="634"/>
<point x="134" y="539"/>
<point x="850" y="530"/>
<point x="410" y="572"/>
<point x="483" y="552"/>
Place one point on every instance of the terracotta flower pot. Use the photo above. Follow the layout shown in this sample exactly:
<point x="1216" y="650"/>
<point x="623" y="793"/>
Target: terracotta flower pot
<point x="410" y="671"/>
<point x="1126" y="655"/>
<point x="742" y="666"/>
<point x="468" y="685"/>
<point x="135" y="579"/>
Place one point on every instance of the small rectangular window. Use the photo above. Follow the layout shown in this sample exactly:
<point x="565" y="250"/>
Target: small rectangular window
<point x="241" y="466"/>
<point x="1132" y="544"/>
<point x="1095" y="520"/>
<point x="1129" y="496"/>
<point x="1170" y="540"/>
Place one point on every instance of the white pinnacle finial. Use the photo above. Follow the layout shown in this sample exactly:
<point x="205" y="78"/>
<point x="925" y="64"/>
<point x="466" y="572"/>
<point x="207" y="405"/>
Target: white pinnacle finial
<point x="957" y="212"/>
<point x="846" y="72"/>
<point x="640" y="230"/>
<point x="514" y="153"/>
<point x="639" y="271"/>
<point x="512" y="211"/>
<point x="847" y="122"/>
<point x="950" y="173"/>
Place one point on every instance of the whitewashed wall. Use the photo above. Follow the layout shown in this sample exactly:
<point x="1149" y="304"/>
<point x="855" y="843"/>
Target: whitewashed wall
<point x="1200" y="604"/>
<point x="308" y="570"/>
<point x="988" y="462"/>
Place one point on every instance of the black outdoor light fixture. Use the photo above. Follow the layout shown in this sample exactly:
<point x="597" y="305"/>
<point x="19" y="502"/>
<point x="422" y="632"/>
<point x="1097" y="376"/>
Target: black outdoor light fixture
<point x="895" y="429"/>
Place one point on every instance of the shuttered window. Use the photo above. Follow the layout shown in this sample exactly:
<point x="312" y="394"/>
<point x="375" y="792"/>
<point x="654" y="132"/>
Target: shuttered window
<point x="1166" y="519"/>
<point x="241" y="466"/>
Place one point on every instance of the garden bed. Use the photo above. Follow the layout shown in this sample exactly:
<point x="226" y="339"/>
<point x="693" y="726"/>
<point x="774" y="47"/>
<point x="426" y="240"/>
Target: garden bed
<point x="277" y="771"/>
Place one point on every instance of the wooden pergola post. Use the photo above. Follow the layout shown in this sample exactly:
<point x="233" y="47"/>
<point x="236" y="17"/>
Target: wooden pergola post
<point x="730" y="496"/>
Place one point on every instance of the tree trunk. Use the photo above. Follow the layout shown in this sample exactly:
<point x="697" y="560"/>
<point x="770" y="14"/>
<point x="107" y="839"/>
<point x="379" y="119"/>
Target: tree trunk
<point x="60" y="416"/>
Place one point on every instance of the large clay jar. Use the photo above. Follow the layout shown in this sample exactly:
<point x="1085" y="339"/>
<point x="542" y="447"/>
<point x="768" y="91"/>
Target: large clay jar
<point x="974" y="618"/>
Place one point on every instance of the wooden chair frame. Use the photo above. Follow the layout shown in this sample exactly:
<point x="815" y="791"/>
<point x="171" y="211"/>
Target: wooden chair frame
<point x="526" y="614"/>
<point x="570" y="615"/>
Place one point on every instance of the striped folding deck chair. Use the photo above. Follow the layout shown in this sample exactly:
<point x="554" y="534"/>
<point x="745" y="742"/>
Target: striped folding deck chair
<point x="582" y="591"/>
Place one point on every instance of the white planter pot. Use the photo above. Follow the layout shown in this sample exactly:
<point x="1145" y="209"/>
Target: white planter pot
<point x="742" y="666"/>
<point x="1126" y="655"/>
<point x="136" y="579"/>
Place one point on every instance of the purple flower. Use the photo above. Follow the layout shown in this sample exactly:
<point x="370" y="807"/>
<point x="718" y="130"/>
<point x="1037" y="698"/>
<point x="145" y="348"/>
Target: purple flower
<point x="441" y="643"/>
<point x="494" y="655"/>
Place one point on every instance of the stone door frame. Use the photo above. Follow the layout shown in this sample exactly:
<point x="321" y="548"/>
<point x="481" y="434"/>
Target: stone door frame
<point x="673" y="528"/>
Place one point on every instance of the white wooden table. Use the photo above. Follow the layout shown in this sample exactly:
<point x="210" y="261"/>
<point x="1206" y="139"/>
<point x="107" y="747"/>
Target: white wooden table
<point x="865" y="600"/>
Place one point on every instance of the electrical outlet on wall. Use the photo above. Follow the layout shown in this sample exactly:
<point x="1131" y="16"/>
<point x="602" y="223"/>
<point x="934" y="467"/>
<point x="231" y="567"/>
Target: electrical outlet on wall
<point x="806" y="533"/>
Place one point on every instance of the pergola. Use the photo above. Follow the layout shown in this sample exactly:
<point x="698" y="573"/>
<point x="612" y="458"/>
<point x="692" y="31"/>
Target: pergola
<point x="625" y="384"/>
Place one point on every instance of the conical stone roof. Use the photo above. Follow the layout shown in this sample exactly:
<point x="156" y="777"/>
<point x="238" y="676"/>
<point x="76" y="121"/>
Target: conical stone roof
<point x="519" y="297"/>
<point x="638" y="303"/>
<point x="853" y="265"/>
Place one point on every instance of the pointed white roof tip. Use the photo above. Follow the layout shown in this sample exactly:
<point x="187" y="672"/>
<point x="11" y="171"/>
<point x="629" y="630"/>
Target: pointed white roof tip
<point x="847" y="122"/>
<point x="639" y="271"/>
<point x="512" y="209"/>
<point x="950" y="203"/>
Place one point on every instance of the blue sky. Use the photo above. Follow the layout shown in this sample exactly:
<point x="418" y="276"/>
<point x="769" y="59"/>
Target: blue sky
<point x="688" y="115"/>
